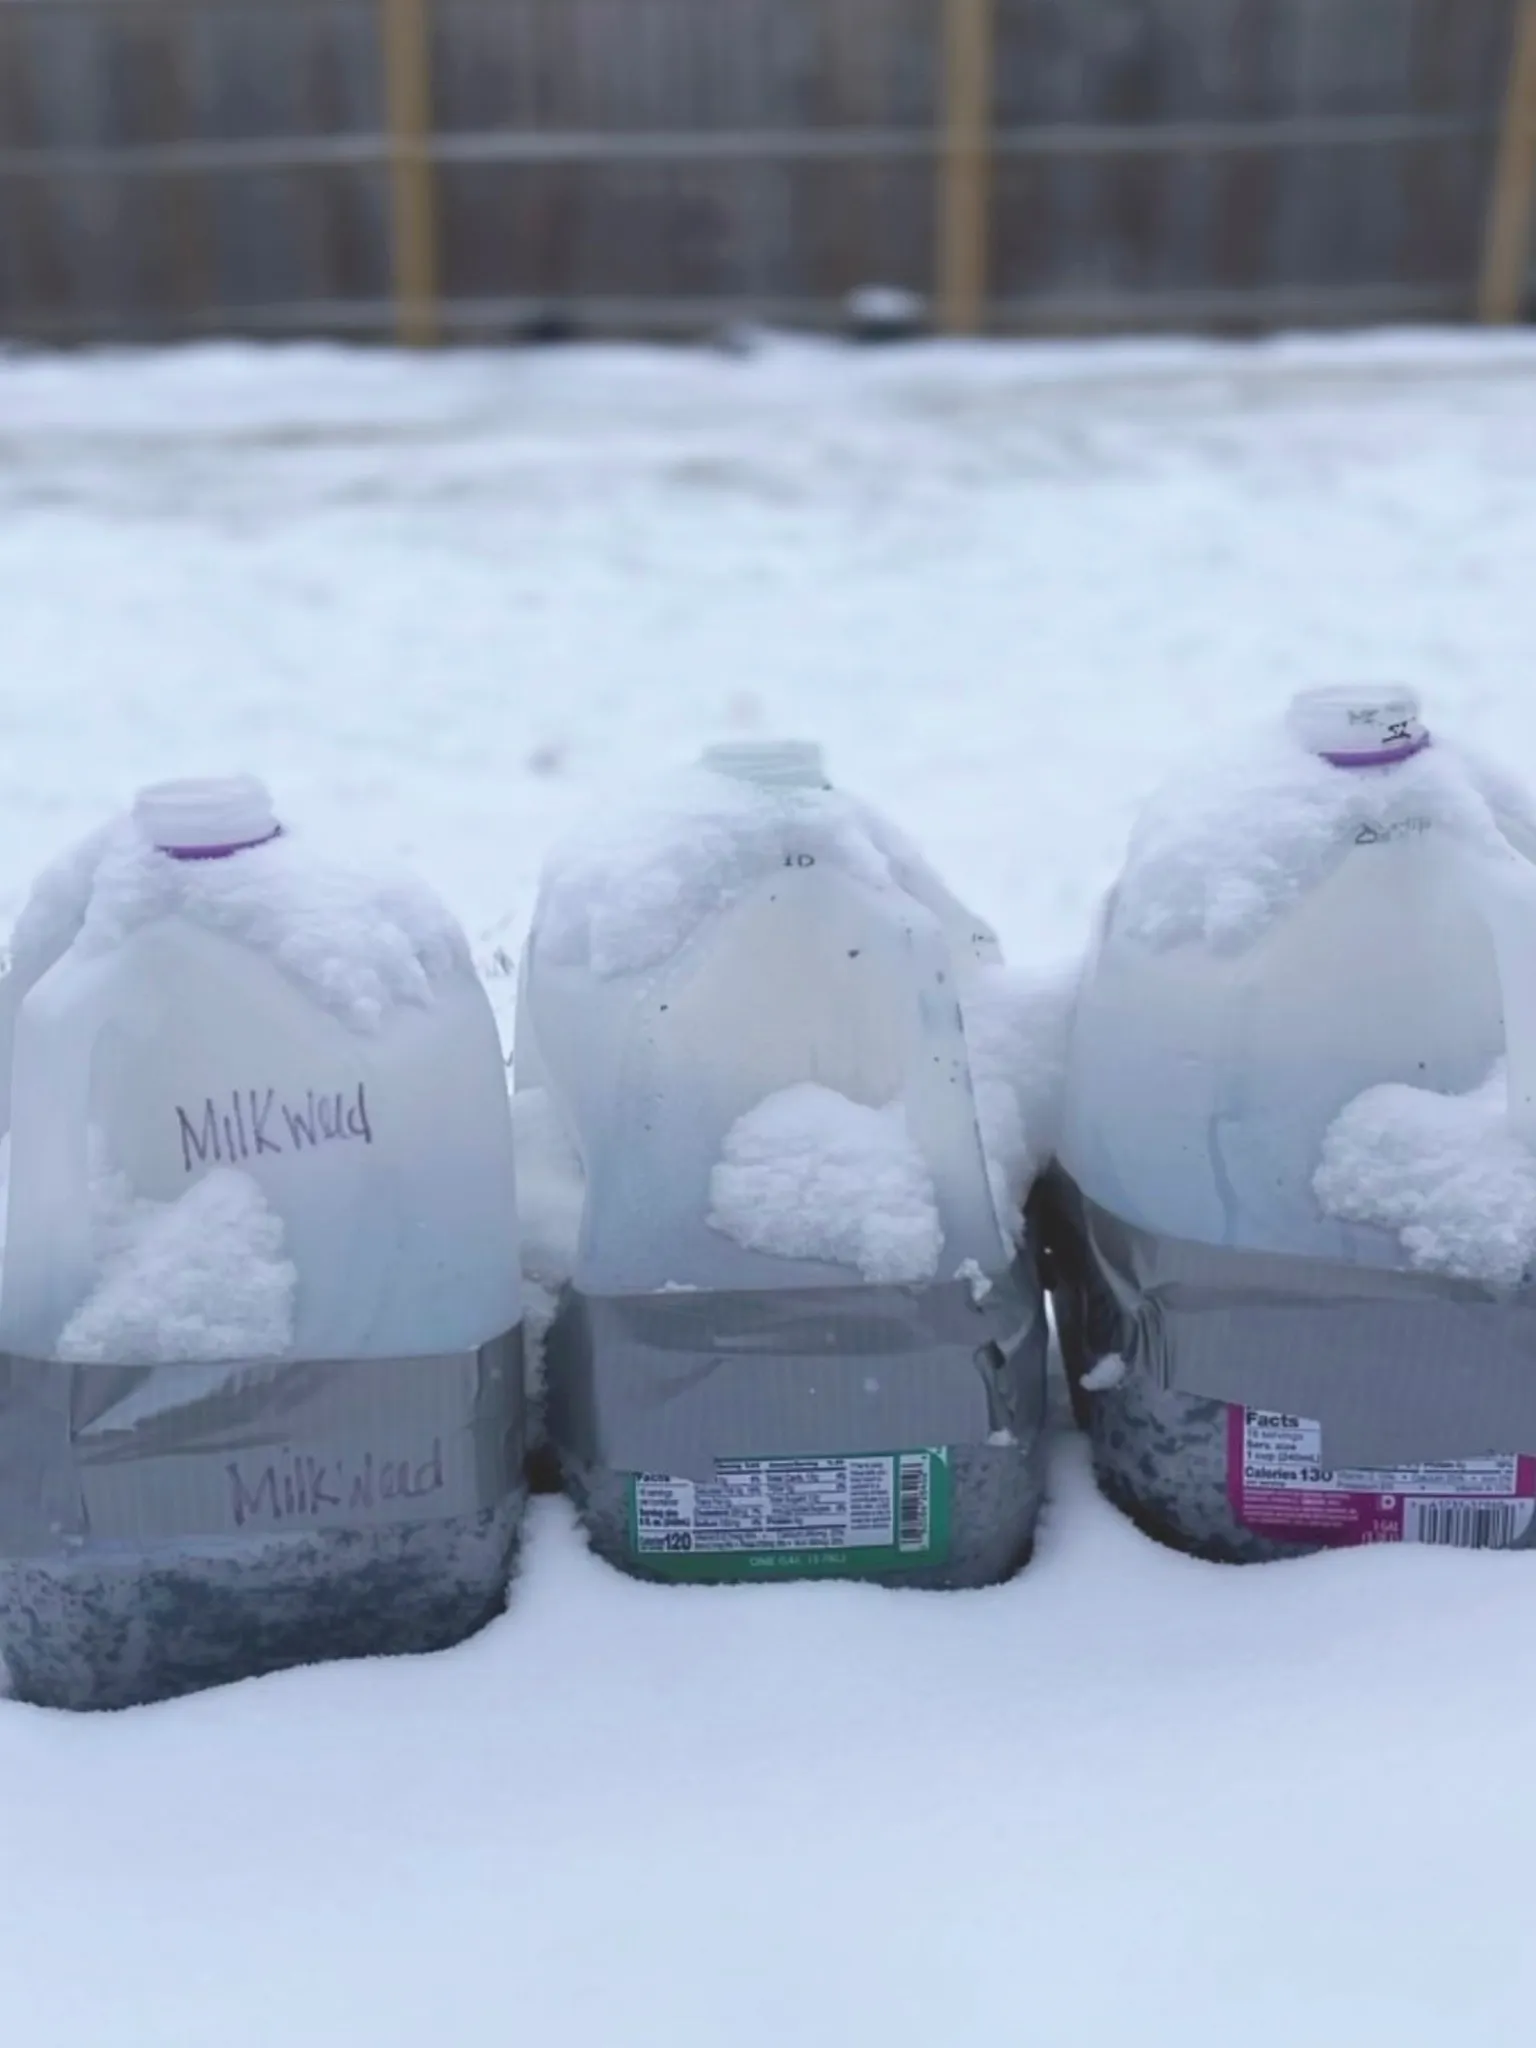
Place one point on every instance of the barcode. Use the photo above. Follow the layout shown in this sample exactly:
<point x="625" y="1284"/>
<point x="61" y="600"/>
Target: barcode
<point x="914" y="1504"/>
<point x="1470" y="1525"/>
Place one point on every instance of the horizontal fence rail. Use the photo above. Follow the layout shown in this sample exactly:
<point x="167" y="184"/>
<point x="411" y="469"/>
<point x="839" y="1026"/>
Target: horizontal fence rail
<point x="311" y="152"/>
<point x="435" y="169"/>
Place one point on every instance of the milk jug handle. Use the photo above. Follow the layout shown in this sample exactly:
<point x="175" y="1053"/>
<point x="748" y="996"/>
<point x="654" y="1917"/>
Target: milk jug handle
<point x="1504" y="891"/>
<point x="49" y="1254"/>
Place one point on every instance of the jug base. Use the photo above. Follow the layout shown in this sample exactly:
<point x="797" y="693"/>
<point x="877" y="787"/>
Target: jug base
<point x="1245" y="1484"/>
<point x="995" y="1495"/>
<point x="107" y="1631"/>
<point x="1162" y="1459"/>
<point x="1166" y="1461"/>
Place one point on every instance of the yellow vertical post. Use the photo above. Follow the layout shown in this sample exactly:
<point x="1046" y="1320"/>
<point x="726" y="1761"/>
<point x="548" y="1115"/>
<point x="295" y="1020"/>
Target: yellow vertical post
<point x="407" y="55"/>
<point x="1512" y="203"/>
<point x="965" y="164"/>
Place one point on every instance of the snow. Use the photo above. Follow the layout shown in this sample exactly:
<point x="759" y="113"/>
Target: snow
<point x="451" y="607"/>
<point x="551" y="1192"/>
<point x="627" y="1811"/>
<point x="53" y="913"/>
<point x="201" y="1279"/>
<point x="1017" y="1024"/>
<point x="1445" y="1172"/>
<point x="1229" y="844"/>
<point x="1098" y="1379"/>
<point x="360" y="941"/>
<point x="811" y="1174"/>
<point x="623" y="895"/>
<point x="550" y="1189"/>
<point x="969" y="1270"/>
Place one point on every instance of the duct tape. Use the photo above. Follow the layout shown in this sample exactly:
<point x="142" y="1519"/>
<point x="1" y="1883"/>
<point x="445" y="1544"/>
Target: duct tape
<point x="673" y="1382"/>
<point x="1396" y="1368"/>
<point x="96" y="1457"/>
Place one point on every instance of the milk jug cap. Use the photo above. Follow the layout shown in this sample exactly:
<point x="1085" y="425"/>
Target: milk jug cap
<point x="206" y="818"/>
<point x="1359" y="725"/>
<point x="772" y="764"/>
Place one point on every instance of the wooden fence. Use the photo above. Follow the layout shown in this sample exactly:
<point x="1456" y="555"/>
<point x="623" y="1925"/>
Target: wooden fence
<point x="478" y="168"/>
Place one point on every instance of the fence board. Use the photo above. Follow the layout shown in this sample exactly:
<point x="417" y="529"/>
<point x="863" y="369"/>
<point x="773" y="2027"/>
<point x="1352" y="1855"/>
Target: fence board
<point x="195" y="165"/>
<point x="1511" y="215"/>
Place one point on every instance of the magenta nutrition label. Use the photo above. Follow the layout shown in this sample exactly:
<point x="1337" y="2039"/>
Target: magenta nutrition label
<point x="1280" y="1487"/>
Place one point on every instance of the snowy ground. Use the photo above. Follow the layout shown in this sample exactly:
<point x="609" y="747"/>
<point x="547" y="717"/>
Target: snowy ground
<point x="454" y="603"/>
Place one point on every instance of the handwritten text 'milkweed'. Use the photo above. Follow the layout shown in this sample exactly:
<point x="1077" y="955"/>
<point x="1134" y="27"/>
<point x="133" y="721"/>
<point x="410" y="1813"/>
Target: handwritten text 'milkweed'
<point x="258" y="1123"/>
<point x="295" y="1486"/>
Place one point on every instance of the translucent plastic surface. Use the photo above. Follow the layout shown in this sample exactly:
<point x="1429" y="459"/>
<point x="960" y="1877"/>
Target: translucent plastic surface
<point x="811" y="974"/>
<point x="20" y="978"/>
<point x="387" y="1155"/>
<point x="1202" y="1082"/>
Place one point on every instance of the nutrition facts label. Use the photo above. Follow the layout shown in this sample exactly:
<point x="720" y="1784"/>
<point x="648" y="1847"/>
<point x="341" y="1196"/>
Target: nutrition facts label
<point x="1278" y="1484"/>
<point x="861" y="1514"/>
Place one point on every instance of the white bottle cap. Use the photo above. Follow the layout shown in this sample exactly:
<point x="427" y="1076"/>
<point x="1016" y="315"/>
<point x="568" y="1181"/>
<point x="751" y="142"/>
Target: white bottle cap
<point x="1359" y="725"/>
<point x="773" y="764"/>
<point x="206" y="818"/>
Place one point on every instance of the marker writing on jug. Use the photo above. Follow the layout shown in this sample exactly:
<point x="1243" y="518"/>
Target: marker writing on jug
<point x="1403" y="828"/>
<point x="257" y="1124"/>
<point x="294" y="1485"/>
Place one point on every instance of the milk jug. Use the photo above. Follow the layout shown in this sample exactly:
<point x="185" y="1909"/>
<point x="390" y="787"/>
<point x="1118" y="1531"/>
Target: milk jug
<point x="260" y="1301"/>
<point x="796" y="1338"/>
<point x="1305" y="1040"/>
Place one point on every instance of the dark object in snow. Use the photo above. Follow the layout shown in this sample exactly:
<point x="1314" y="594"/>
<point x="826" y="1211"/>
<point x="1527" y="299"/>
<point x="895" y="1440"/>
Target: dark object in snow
<point x="543" y="1468"/>
<point x="550" y="327"/>
<point x="738" y="338"/>
<point x="885" y="313"/>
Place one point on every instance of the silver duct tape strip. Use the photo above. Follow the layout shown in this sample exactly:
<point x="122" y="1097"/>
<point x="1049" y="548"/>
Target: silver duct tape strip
<point x="671" y="1383"/>
<point x="1396" y="1368"/>
<point x="119" y="1456"/>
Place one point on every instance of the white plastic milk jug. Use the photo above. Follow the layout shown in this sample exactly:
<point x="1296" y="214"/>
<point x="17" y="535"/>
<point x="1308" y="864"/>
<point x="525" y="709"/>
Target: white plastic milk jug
<point x="1307" y="1029"/>
<point x="743" y="1002"/>
<point x="262" y="1400"/>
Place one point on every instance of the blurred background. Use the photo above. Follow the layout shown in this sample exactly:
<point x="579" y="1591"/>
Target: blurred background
<point x="485" y="169"/>
<point x="457" y="597"/>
